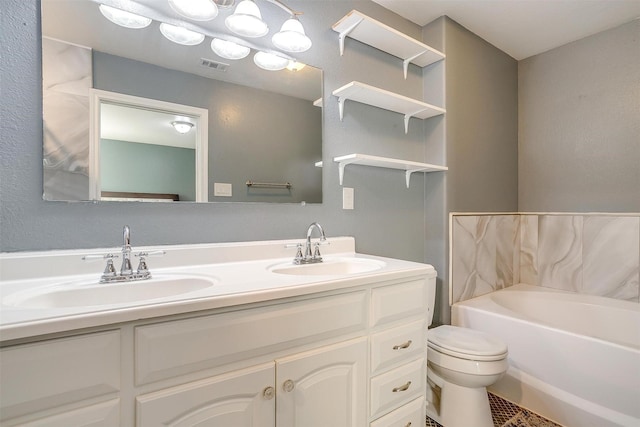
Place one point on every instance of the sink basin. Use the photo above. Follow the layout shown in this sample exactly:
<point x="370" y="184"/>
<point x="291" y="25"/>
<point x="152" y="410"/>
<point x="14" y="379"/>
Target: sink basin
<point x="330" y="267"/>
<point x="92" y="293"/>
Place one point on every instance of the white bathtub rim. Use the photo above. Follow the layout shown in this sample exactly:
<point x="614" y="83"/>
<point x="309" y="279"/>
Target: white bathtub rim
<point x="479" y="303"/>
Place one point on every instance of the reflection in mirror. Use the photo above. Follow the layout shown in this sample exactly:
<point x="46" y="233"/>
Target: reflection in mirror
<point x="146" y="150"/>
<point x="263" y="126"/>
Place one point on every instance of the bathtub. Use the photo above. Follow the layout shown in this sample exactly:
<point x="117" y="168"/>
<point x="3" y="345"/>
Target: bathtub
<point x="574" y="359"/>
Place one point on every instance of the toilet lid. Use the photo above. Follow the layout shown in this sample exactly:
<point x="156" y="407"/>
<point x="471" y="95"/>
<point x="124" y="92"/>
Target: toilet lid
<point x="466" y="343"/>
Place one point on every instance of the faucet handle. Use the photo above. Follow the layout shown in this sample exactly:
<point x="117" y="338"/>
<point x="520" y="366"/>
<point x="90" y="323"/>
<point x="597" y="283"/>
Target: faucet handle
<point x="143" y="269"/>
<point x="298" y="246"/>
<point x="99" y="257"/>
<point x="316" y="252"/>
<point x="109" y="270"/>
<point x="146" y="254"/>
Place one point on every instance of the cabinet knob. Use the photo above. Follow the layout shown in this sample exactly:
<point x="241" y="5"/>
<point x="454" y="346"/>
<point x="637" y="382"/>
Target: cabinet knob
<point x="403" y="387"/>
<point x="402" y="346"/>
<point x="408" y="424"/>
<point x="288" y="386"/>
<point x="269" y="393"/>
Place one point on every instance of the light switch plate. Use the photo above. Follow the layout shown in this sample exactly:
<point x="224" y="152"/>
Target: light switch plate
<point x="347" y="198"/>
<point x="222" y="189"/>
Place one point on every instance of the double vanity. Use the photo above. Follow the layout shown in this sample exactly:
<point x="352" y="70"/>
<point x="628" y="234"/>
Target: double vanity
<point x="233" y="334"/>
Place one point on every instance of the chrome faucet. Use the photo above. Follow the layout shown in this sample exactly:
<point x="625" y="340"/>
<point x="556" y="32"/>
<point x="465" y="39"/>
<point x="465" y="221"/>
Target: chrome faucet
<point x="310" y="256"/>
<point x="126" y="274"/>
<point x="126" y="269"/>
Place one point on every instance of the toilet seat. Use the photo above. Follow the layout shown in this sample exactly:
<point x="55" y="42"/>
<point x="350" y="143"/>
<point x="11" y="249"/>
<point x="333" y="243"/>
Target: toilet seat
<point x="466" y="344"/>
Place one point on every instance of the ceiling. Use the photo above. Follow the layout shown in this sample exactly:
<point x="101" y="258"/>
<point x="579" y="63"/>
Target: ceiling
<point x="523" y="28"/>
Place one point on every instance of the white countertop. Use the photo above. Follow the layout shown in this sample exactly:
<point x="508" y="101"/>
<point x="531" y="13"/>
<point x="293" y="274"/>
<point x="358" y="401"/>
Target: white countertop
<point x="241" y="271"/>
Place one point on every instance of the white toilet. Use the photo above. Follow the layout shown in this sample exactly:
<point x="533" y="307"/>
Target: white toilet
<point x="461" y="363"/>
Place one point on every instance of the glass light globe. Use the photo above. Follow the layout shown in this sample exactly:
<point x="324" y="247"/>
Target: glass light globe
<point x="182" y="126"/>
<point x="229" y="50"/>
<point x="269" y="61"/>
<point x="198" y="10"/>
<point x="247" y="20"/>
<point x="181" y="35"/>
<point x="291" y="37"/>
<point x="124" y="18"/>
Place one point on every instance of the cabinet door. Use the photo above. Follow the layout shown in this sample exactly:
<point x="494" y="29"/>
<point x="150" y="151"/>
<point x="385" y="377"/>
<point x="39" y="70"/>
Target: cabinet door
<point x="323" y="387"/>
<point x="243" y="398"/>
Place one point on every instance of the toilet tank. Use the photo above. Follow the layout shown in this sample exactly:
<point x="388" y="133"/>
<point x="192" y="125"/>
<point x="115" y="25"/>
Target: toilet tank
<point x="431" y="295"/>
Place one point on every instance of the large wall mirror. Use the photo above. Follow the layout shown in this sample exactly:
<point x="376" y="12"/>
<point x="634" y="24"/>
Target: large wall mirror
<point x="130" y="115"/>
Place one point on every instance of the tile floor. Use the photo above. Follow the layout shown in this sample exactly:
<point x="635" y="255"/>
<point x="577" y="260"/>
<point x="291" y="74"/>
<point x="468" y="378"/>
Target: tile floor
<point x="506" y="414"/>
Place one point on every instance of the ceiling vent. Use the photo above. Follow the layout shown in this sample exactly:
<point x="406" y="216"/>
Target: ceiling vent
<point x="214" y="65"/>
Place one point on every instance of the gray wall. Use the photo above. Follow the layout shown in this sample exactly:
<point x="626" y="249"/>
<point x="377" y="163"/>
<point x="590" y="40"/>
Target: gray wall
<point x="253" y="134"/>
<point x="579" y="125"/>
<point x="388" y="220"/>
<point x="481" y="131"/>
<point x="482" y="124"/>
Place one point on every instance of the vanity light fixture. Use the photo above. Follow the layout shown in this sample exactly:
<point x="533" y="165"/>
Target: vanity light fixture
<point x="295" y="66"/>
<point x="246" y="20"/>
<point x="270" y="61"/>
<point x="181" y="35"/>
<point x="229" y="50"/>
<point x="291" y="37"/>
<point x="124" y="18"/>
<point x="198" y="10"/>
<point x="181" y="126"/>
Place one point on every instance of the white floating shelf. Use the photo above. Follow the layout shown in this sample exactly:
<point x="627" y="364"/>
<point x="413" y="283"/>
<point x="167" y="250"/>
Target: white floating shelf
<point x="363" y="93"/>
<point x="385" y="162"/>
<point x="318" y="102"/>
<point x="374" y="33"/>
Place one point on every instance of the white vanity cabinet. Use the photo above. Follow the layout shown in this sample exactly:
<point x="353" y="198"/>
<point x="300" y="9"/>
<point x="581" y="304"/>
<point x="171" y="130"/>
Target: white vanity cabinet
<point x="348" y="357"/>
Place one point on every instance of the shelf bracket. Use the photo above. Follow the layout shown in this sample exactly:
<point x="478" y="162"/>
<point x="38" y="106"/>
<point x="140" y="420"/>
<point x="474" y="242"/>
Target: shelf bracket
<point x="408" y="174"/>
<point x="341" y="166"/>
<point x="408" y="116"/>
<point x="341" y="100"/>
<point x="343" y="34"/>
<point x="405" y="63"/>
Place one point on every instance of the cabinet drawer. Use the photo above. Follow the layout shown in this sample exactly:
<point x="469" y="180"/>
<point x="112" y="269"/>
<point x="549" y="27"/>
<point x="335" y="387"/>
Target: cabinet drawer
<point x="394" y="302"/>
<point x="397" y="387"/>
<point x="395" y="345"/>
<point x="105" y="414"/>
<point x="49" y="374"/>
<point x="410" y="415"/>
<point x="175" y="348"/>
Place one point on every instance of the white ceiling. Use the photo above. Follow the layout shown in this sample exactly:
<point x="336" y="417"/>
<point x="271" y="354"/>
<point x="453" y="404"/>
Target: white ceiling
<point x="523" y="28"/>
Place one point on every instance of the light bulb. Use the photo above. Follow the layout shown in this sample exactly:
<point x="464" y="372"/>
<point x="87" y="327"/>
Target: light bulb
<point x="247" y="20"/>
<point x="269" y="61"/>
<point x="291" y="37"/>
<point x="124" y="18"/>
<point x="229" y="50"/>
<point x="198" y="10"/>
<point x="181" y="35"/>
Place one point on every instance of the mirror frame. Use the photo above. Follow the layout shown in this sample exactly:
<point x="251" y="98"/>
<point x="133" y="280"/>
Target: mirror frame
<point x="200" y="115"/>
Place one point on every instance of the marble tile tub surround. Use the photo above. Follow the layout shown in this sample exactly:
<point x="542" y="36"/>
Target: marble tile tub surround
<point x="597" y="254"/>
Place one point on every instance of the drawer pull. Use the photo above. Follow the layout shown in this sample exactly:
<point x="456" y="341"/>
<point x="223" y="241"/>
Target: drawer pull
<point x="408" y="424"/>
<point x="269" y="393"/>
<point x="402" y="346"/>
<point x="288" y="386"/>
<point x="404" y="387"/>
